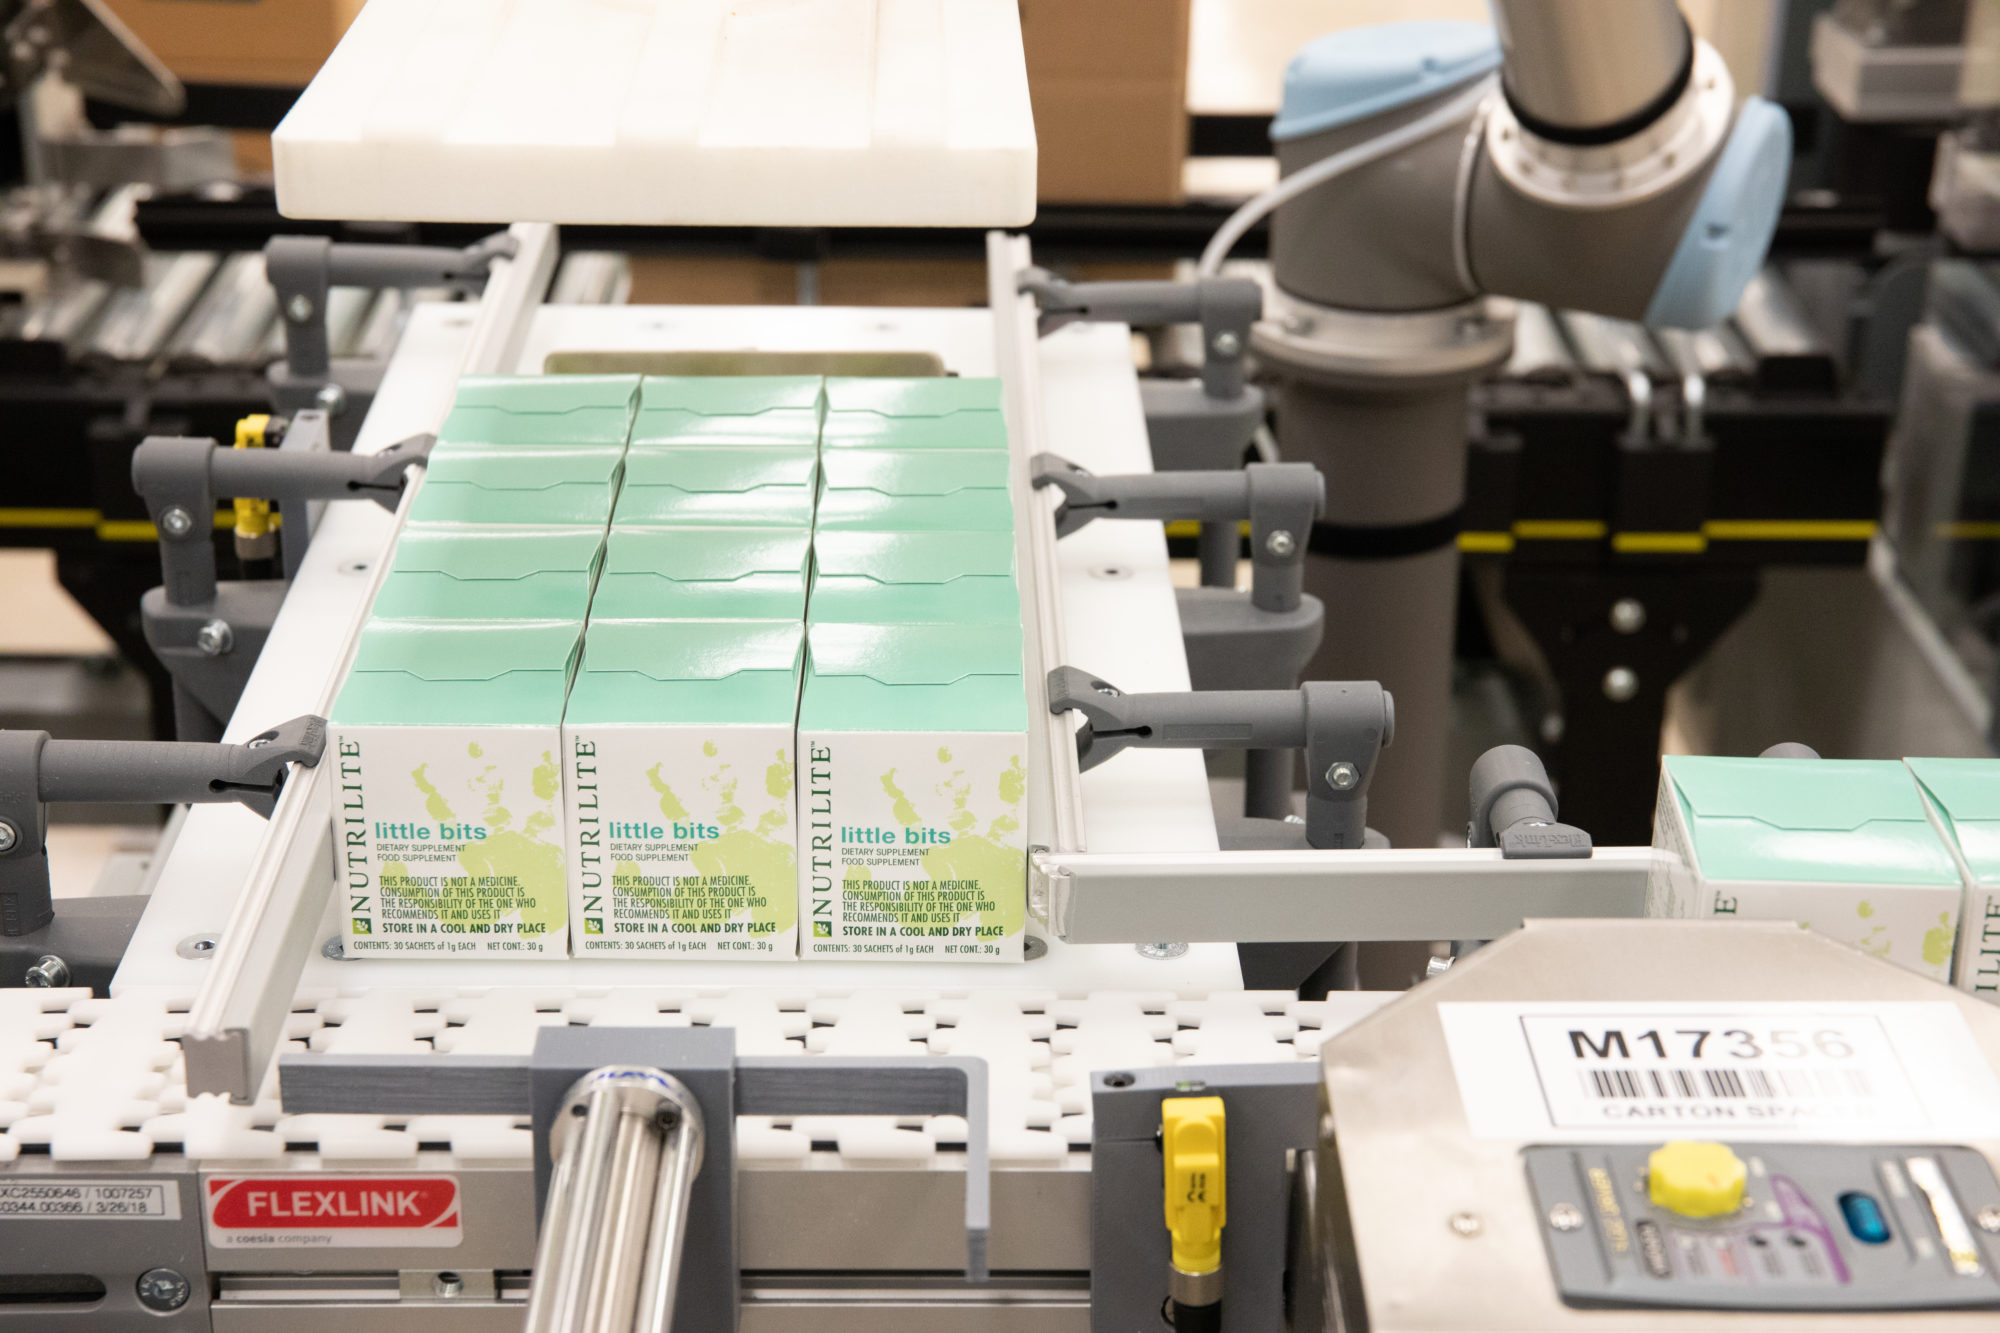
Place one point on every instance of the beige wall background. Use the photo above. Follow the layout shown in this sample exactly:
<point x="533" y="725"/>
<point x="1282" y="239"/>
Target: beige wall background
<point x="1238" y="48"/>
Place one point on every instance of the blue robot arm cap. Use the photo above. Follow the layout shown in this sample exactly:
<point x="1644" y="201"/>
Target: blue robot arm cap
<point x="1725" y="241"/>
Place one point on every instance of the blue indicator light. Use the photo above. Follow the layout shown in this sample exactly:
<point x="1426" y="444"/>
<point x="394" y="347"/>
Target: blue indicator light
<point x="1864" y="1217"/>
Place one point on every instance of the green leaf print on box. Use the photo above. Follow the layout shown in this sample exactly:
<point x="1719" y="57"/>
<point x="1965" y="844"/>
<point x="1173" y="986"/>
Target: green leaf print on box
<point x="752" y="868"/>
<point x="975" y="856"/>
<point x="510" y="873"/>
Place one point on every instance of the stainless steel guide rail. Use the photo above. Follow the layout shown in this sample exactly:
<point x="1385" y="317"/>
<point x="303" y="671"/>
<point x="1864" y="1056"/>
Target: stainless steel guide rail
<point x="238" y="1016"/>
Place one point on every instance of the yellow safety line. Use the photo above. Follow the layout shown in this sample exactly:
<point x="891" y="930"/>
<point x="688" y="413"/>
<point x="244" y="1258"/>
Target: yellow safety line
<point x="1486" y="543"/>
<point x="1969" y="531"/>
<point x="1788" y="530"/>
<point x="49" y="518"/>
<point x="139" y="530"/>
<point x="1560" y="530"/>
<point x="1658" y="543"/>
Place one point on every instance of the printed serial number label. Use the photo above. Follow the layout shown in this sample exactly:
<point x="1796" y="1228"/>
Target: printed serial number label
<point x="1860" y="1072"/>
<point x="126" y="1201"/>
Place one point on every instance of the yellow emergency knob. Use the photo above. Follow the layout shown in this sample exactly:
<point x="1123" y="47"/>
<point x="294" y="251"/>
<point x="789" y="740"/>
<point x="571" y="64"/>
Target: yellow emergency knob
<point x="1192" y="1142"/>
<point x="1695" y="1179"/>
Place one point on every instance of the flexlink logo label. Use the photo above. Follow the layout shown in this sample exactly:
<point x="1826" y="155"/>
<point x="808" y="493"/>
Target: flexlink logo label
<point x="333" y="1211"/>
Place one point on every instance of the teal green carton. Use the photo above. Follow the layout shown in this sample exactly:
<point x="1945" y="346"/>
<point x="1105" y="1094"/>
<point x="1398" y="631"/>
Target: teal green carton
<point x="551" y="410"/>
<point x="767" y="411"/>
<point x="704" y="573"/>
<point x="711" y="486"/>
<point x="1965" y="798"/>
<point x="915" y="577"/>
<point x="679" y="745"/>
<point x="912" y="743"/>
<point x="491" y="573"/>
<point x="448" y="812"/>
<point x="1845" y="847"/>
<point x="914" y="490"/>
<point x="941" y="413"/>
<point x="519" y="485"/>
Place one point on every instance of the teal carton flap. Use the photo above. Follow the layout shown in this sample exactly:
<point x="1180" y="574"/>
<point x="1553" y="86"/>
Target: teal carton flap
<point x="519" y="485"/>
<point x="661" y="672"/>
<point x="915" y="471"/>
<point x="1967" y="794"/>
<point x="719" y="469"/>
<point x="977" y="509"/>
<point x="459" y="673"/>
<point x="928" y="677"/>
<point x="773" y="410"/>
<point x="1827" y="820"/>
<point x="490" y="573"/>
<point x="542" y="409"/>
<point x="940" y="413"/>
<point x="704" y="573"/>
<point x="914" y="557"/>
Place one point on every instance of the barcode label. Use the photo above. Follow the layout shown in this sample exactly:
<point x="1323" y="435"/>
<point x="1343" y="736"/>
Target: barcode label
<point x="1728" y="1084"/>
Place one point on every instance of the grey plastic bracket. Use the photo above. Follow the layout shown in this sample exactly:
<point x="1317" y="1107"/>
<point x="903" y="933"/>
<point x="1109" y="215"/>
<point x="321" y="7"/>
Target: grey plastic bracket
<point x="1514" y="808"/>
<point x="303" y="268"/>
<point x="1224" y="307"/>
<point x="1281" y="500"/>
<point x="37" y="771"/>
<point x="1343" y="726"/>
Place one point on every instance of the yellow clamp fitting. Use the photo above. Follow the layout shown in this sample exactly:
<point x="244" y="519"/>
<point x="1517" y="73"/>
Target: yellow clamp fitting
<point x="253" y="517"/>
<point x="1191" y="1142"/>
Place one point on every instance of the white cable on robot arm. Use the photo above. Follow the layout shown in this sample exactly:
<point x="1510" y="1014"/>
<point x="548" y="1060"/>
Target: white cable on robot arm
<point x="1291" y="187"/>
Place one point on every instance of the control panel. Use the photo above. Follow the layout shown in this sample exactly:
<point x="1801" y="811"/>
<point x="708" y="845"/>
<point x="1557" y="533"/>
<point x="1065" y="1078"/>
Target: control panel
<point x="1769" y="1226"/>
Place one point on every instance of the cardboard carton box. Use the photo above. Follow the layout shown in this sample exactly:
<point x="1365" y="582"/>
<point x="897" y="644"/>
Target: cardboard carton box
<point x="1965" y="797"/>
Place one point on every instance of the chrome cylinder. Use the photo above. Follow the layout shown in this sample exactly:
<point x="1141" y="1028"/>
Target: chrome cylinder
<point x="1584" y="65"/>
<point x="627" y="1145"/>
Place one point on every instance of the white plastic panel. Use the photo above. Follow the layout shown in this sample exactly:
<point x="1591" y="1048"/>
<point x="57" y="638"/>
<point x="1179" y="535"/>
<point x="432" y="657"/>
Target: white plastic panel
<point x="708" y="112"/>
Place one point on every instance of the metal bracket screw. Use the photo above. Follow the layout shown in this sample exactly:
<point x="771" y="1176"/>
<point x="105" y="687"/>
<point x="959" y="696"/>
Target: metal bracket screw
<point x="177" y="522"/>
<point x="215" y="638"/>
<point x="1989" y="1219"/>
<point x="333" y="948"/>
<point x="197" y="947"/>
<point x="448" y="1284"/>
<point x="1160" y="953"/>
<point x="1280" y="543"/>
<point x="1621" y="684"/>
<point x="163" y="1289"/>
<point x="1437" y="965"/>
<point x="9" y="835"/>
<point x="1342" y="776"/>
<point x="1565" y="1217"/>
<point x="299" y="309"/>
<point x="332" y="399"/>
<point x="48" y="973"/>
<point x="1466" y="1224"/>
<point x="1227" y="344"/>
<point x="1628" y="615"/>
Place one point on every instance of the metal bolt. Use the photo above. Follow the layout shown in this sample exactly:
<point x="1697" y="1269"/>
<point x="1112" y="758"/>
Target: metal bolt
<point x="1227" y="344"/>
<point x="1160" y="953"/>
<point x="1628" y="615"/>
<point x="1342" y="776"/>
<point x="1437" y="966"/>
<point x="256" y="742"/>
<point x="197" y="946"/>
<point x="1033" y="947"/>
<point x="177" y="522"/>
<point x="1552" y="728"/>
<point x="215" y="638"/>
<point x="1988" y="1219"/>
<point x="333" y="948"/>
<point x="1111" y="690"/>
<point x="448" y="1284"/>
<point x="299" y="309"/>
<point x="9" y="835"/>
<point x="1565" y="1217"/>
<point x="48" y="973"/>
<point x="1281" y="543"/>
<point x="1621" y="684"/>
<point x="332" y="399"/>
<point x="163" y="1289"/>
<point x="1466" y="1224"/>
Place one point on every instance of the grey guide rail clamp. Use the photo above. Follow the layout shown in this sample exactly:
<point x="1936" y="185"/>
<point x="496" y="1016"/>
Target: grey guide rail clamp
<point x="82" y="945"/>
<point x="1235" y="641"/>
<point x="1343" y="727"/>
<point x="208" y="633"/>
<point x="1193" y="424"/>
<point x="705" y="1069"/>
<point x="1513" y="806"/>
<point x="302" y="270"/>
